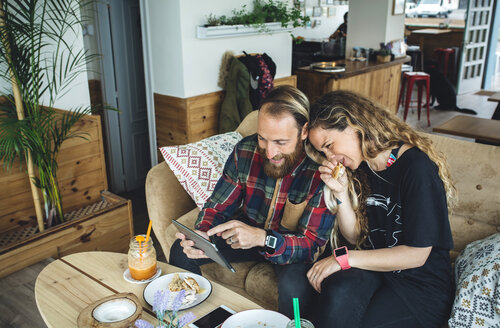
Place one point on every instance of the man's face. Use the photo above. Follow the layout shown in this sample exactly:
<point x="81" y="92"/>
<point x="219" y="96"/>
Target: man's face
<point x="280" y="143"/>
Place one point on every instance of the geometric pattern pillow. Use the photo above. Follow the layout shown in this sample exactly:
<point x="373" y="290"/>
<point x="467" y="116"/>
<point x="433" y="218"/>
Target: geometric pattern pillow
<point x="198" y="165"/>
<point x="477" y="274"/>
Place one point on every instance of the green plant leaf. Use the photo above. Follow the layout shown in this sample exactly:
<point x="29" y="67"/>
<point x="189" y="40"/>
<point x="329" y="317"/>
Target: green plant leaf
<point x="36" y="53"/>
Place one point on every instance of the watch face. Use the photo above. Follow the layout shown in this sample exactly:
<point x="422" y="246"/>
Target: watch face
<point x="340" y="251"/>
<point x="271" y="241"/>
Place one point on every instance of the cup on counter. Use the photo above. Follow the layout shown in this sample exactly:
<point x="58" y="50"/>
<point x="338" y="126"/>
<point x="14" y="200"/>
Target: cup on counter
<point x="356" y="52"/>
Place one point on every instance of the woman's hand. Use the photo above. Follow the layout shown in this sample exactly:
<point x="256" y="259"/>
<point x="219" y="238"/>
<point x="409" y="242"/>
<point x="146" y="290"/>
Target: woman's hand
<point x="322" y="269"/>
<point x="339" y="185"/>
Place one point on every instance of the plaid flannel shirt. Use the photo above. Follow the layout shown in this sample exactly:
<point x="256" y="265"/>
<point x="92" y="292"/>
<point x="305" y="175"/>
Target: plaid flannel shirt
<point x="245" y="193"/>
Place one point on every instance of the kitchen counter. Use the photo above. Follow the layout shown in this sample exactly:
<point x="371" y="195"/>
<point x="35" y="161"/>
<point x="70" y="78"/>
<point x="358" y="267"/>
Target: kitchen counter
<point x="378" y="81"/>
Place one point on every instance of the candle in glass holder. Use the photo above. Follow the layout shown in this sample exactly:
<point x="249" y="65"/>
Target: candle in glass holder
<point x="141" y="258"/>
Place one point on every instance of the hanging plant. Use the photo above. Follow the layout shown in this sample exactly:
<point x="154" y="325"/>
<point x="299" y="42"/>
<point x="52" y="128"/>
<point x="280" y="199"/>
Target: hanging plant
<point x="39" y="62"/>
<point x="263" y="12"/>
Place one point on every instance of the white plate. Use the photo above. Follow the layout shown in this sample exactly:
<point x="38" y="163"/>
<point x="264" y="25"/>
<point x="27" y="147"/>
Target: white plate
<point x="256" y="319"/>
<point x="162" y="284"/>
<point x="128" y="277"/>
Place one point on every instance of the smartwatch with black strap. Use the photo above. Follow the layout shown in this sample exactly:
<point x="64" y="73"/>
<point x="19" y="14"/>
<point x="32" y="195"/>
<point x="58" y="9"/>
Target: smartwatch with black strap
<point x="270" y="243"/>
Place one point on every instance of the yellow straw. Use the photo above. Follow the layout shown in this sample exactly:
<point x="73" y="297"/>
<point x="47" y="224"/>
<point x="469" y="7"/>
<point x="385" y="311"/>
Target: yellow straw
<point x="149" y="230"/>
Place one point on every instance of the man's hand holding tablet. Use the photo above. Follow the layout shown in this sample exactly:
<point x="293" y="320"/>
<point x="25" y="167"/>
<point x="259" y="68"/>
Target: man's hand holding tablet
<point x="188" y="245"/>
<point x="198" y="245"/>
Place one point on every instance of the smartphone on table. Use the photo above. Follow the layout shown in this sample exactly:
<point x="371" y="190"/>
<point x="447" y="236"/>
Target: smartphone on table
<point x="214" y="318"/>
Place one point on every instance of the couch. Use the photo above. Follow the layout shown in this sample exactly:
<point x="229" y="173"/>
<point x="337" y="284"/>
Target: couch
<point x="475" y="169"/>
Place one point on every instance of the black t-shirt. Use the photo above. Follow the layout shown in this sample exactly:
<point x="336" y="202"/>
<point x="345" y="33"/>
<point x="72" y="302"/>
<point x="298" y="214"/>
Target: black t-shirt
<point x="409" y="208"/>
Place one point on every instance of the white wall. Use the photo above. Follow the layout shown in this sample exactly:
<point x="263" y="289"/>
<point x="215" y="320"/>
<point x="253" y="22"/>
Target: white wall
<point x="372" y="22"/>
<point x="77" y="93"/>
<point x="164" y="20"/>
<point x="395" y="26"/>
<point x="328" y="25"/>
<point x="184" y="66"/>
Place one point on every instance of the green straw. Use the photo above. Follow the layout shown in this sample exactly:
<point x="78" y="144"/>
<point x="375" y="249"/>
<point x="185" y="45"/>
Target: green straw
<point x="296" y="312"/>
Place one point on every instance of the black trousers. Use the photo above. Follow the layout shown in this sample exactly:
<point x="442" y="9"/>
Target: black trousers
<point x="292" y="280"/>
<point x="359" y="298"/>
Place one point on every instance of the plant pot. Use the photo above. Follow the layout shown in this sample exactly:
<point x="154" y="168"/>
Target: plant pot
<point x="225" y="31"/>
<point x="383" y="59"/>
<point x="105" y="225"/>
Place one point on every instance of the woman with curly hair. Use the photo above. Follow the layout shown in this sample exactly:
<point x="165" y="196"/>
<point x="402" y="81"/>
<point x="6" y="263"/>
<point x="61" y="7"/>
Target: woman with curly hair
<point x="392" y="212"/>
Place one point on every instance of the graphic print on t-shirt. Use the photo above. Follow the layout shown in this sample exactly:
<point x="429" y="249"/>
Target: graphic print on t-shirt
<point x="392" y="211"/>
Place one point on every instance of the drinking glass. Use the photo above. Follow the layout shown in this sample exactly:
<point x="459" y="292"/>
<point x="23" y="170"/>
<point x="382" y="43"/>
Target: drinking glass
<point x="141" y="258"/>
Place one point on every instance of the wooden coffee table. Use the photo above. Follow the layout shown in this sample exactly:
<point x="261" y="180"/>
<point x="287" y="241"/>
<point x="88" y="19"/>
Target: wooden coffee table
<point x="68" y="285"/>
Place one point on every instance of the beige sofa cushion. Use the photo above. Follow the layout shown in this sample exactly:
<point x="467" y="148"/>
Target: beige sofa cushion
<point x="475" y="171"/>
<point x="262" y="284"/>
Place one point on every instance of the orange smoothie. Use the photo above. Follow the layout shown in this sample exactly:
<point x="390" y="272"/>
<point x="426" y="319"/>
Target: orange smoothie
<point x="140" y="270"/>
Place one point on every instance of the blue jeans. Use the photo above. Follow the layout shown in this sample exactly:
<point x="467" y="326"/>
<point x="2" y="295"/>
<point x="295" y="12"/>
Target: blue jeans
<point x="292" y="280"/>
<point x="359" y="298"/>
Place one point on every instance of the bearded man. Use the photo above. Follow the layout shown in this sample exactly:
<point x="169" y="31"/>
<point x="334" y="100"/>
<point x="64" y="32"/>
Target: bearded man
<point x="268" y="205"/>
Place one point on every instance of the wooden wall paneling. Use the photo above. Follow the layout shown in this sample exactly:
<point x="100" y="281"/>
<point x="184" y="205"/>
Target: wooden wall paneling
<point x="81" y="175"/>
<point x="203" y="115"/>
<point x="184" y="120"/>
<point x="171" y="120"/>
<point x="288" y="80"/>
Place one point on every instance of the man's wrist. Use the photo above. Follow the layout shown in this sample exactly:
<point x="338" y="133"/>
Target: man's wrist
<point x="270" y="242"/>
<point x="262" y="238"/>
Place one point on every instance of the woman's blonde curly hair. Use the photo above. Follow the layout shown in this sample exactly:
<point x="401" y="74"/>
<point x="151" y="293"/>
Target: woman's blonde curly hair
<point x="378" y="130"/>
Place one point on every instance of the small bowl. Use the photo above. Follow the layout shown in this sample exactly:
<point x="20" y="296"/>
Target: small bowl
<point x="114" y="310"/>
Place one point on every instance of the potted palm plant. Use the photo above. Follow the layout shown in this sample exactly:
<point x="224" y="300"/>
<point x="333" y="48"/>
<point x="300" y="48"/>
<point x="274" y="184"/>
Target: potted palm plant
<point x="39" y="64"/>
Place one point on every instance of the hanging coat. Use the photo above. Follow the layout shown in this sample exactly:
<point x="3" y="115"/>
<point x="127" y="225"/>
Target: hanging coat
<point x="236" y="103"/>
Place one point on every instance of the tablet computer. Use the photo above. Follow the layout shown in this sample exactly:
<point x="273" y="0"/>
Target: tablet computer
<point x="205" y="245"/>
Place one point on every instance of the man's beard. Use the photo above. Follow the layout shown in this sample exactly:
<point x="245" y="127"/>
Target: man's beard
<point x="280" y="171"/>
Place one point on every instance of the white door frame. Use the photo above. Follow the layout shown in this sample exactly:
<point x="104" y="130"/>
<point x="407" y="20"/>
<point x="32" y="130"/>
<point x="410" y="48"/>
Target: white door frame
<point x="148" y="78"/>
<point x="475" y="45"/>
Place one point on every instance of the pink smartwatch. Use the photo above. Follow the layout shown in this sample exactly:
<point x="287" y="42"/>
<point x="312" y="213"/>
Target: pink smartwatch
<point x="341" y="255"/>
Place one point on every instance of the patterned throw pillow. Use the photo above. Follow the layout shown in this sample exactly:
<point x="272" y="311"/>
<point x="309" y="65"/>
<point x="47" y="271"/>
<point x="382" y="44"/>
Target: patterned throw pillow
<point x="477" y="274"/>
<point x="198" y="166"/>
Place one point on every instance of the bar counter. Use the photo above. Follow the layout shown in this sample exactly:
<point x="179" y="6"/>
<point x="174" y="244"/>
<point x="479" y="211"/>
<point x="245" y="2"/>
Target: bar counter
<point x="378" y="81"/>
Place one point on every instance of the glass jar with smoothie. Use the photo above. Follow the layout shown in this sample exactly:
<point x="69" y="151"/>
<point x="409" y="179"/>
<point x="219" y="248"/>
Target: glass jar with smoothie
<point x="141" y="258"/>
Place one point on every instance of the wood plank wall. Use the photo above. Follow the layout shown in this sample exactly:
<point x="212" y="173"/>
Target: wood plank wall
<point x="184" y="120"/>
<point x="81" y="175"/>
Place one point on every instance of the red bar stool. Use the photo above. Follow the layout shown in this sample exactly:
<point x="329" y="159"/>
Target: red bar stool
<point x="409" y="79"/>
<point x="442" y="55"/>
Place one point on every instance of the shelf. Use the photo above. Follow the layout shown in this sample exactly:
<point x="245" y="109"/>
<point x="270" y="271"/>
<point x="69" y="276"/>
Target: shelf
<point x="227" y="31"/>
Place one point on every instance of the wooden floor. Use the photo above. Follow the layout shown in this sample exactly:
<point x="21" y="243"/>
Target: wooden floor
<point x="17" y="301"/>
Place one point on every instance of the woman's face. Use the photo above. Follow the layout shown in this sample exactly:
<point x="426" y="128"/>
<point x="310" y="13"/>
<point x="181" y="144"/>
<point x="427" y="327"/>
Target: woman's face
<point x="341" y="146"/>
